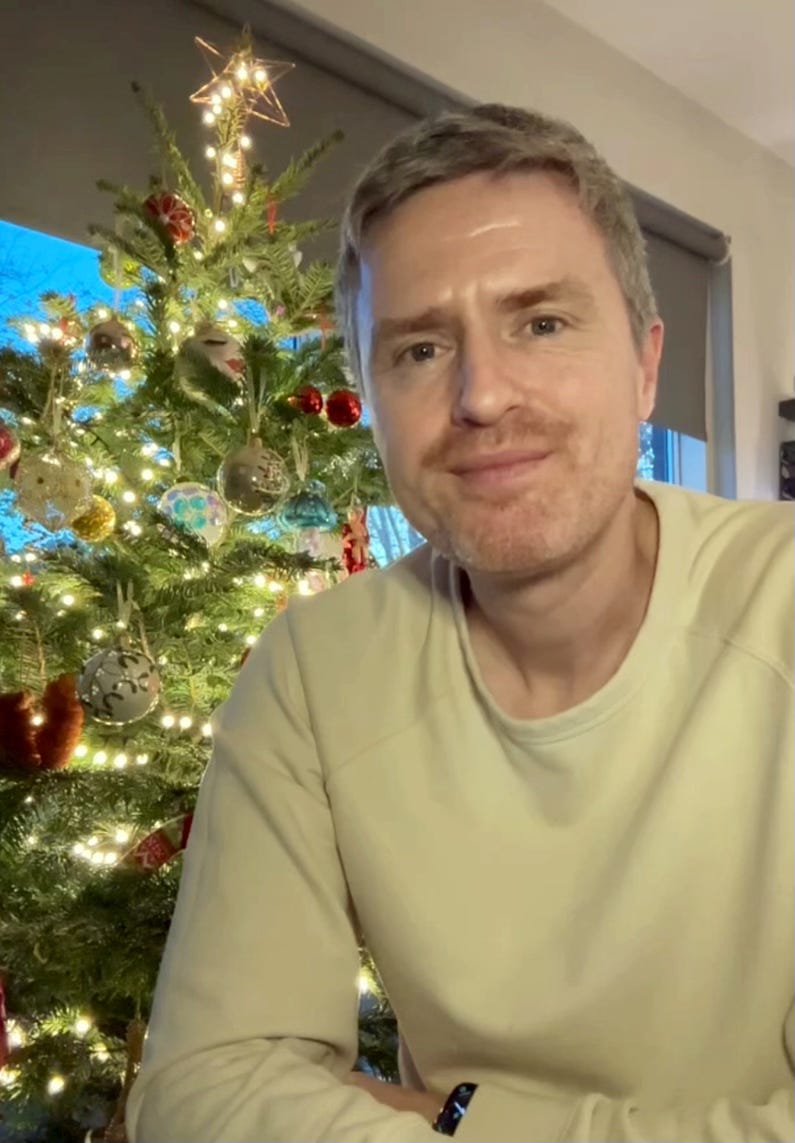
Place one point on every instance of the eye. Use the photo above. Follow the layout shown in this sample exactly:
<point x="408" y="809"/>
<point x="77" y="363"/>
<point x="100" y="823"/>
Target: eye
<point x="545" y="326"/>
<point x="418" y="353"/>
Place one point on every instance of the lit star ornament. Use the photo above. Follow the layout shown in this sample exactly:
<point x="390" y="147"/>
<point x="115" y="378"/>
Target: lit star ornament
<point x="246" y="80"/>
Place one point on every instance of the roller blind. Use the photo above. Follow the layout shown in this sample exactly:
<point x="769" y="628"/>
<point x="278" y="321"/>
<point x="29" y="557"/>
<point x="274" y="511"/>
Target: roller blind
<point x="79" y="123"/>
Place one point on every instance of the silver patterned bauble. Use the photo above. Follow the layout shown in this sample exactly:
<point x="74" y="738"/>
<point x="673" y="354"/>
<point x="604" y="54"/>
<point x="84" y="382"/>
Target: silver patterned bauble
<point x="52" y="489"/>
<point x="253" y="480"/>
<point x="118" y="686"/>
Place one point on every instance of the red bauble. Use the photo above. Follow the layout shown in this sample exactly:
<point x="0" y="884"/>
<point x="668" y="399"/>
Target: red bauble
<point x="9" y="447"/>
<point x="174" y="214"/>
<point x="308" y="399"/>
<point x="343" y="408"/>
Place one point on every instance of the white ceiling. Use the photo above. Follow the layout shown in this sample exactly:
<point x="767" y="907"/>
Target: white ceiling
<point x="734" y="57"/>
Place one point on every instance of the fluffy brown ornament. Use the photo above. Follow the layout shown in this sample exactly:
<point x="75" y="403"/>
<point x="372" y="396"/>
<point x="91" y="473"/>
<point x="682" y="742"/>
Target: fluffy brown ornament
<point x="59" y="734"/>
<point x="18" y="749"/>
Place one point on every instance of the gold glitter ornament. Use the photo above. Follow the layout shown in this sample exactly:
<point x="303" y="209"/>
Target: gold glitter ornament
<point x="97" y="523"/>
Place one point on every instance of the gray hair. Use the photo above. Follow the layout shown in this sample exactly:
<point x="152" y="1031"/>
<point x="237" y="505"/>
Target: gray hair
<point x="501" y="140"/>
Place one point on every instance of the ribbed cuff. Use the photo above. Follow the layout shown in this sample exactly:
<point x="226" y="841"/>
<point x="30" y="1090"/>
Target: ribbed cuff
<point x="497" y="1115"/>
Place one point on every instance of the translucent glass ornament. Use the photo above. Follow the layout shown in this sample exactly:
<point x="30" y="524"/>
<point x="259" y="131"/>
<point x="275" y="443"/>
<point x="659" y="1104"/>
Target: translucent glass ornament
<point x="253" y="480"/>
<point x="309" y="508"/>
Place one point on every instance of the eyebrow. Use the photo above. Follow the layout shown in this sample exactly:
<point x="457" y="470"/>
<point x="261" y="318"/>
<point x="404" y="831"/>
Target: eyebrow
<point x="565" y="289"/>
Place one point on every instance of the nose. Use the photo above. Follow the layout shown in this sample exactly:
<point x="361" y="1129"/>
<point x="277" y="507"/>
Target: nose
<point x="486" y="387"/>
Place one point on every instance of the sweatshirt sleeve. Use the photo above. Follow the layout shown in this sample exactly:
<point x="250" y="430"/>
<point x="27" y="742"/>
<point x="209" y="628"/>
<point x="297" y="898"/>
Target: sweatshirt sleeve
<point x="502" y="1116"/>
<point x="255" y="1019"/>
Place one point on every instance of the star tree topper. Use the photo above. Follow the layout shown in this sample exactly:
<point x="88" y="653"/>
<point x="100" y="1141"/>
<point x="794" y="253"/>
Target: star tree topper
<point x="246" y="79"/>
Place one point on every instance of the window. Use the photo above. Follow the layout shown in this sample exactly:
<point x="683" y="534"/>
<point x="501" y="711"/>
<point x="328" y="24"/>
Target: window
<point x="31" y="263"/>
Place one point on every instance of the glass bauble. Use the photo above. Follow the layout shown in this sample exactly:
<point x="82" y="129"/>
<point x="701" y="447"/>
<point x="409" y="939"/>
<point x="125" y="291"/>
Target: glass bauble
<point x="253" y="480"/>
<point x="111" y="345"/>
<point x="309" y="508"/>
<point x="196" y="508"/>
<point x="97" y="522"/>
<point x="118" y="686"/>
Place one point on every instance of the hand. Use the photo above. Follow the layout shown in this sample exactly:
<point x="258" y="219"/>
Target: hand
<point x="428" y="1104"/>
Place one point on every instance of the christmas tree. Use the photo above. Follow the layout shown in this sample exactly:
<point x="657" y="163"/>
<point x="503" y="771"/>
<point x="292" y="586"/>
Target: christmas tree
<point x="182" y="464"/>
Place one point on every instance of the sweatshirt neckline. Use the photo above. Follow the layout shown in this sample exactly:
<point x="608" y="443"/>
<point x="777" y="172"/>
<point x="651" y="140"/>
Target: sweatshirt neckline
<point x="656" y="631"/>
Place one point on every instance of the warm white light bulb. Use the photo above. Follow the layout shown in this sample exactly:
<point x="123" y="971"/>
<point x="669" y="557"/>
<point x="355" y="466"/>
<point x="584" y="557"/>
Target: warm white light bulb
<point x="103" y="314"/>
<point x="226" y="91"/>
<point x="93" y="840"/>
<point x="209" y="118"/>
<point x="223" y="627"/>
<point x="100" y="758"/>
<point x="56" y="1085"/>
<point x="16" y="1037"/>
<point x="129" y="497"/>
<point x="303" y="587"/>
<point x="219" y="225"/>
<point x="120" y="761"/>
<point x="67" y="600"/>
<point x="242" y="72"/>
<point x="259" y="612"/>
<point x="141" y="759"/>
<point x="260" y="75"/>
<point x="245" y="142"/>
<point x="229" y="160"/>
<point x="16" y="581"/>
<point x="259" y="580"/>
<point x="238" y="198"/>
<point x="81" y="750"/>
<point x="174" y="326"/>
<point x="82" y="1025"/>
<point x="227" y="179"/>
<point x="251" y="640"/>
<point x="111" y="476"/>
<point x="147" y="474"/>
<point x="110" y="858"/>
<point x="207" y="729"/>
<point x="37" y="719"/>
<point x="275" y="586"/>
<point x="185" y="723"/>
<point x="167" y="721"/>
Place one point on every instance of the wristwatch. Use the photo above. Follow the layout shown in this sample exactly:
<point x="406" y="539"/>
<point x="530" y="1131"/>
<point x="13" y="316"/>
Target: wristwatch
<point x="454" y="1108"/>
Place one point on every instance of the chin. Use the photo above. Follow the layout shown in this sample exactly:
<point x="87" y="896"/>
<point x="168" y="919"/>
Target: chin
<point x="504" y="543"/>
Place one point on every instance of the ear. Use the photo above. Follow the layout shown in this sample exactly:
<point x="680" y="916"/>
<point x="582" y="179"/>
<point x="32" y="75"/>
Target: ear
<point x="650" y="355"/>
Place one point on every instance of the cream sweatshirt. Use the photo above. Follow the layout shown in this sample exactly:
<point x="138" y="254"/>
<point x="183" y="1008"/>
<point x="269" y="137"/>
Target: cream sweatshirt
<point x="589" y="915"/>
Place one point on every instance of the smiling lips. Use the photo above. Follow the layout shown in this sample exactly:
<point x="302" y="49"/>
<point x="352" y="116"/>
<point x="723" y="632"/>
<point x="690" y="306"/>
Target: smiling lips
<point x="500" y="468"/>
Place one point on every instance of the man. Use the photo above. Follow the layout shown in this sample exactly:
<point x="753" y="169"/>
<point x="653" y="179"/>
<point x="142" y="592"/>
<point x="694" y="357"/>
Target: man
<point x="544" y="764"/>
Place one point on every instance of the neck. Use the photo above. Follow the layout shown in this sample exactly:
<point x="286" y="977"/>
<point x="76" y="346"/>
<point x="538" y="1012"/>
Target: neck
<point x="545" y="645"/>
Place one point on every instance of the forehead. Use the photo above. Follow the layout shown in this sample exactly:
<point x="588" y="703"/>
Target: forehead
<point x="481" y="232"/>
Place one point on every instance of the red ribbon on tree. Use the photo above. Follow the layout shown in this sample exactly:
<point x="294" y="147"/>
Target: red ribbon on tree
<point x="158" y="847"/>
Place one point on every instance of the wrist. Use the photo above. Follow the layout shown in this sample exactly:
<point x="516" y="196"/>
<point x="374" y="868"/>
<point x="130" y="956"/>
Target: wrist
<point x="454" y="1108"/>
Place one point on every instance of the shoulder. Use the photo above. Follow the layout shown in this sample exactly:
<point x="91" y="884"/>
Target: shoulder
<point x="740" y="569"/>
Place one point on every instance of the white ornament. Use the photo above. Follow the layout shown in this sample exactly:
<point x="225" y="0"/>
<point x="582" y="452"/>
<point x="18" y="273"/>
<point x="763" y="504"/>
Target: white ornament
<point x="52" y="489"/>
<point x="198" y="509"/>
<point x="218" y="348"/>
<point x="118" y="686"/>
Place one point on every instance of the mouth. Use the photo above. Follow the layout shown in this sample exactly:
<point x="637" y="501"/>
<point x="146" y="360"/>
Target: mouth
<point x="499" y="469"/>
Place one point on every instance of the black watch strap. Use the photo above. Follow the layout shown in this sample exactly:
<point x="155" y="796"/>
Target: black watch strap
<point x="454" y="1108"/>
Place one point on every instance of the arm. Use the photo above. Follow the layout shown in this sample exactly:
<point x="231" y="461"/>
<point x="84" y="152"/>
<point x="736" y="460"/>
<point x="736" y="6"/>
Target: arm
<point x="503" y="1116"/>
<point x="254" y="1027"/>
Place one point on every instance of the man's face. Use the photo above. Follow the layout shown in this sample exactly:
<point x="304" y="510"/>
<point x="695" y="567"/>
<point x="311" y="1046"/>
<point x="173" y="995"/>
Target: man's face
<point x="505" y="386"/>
